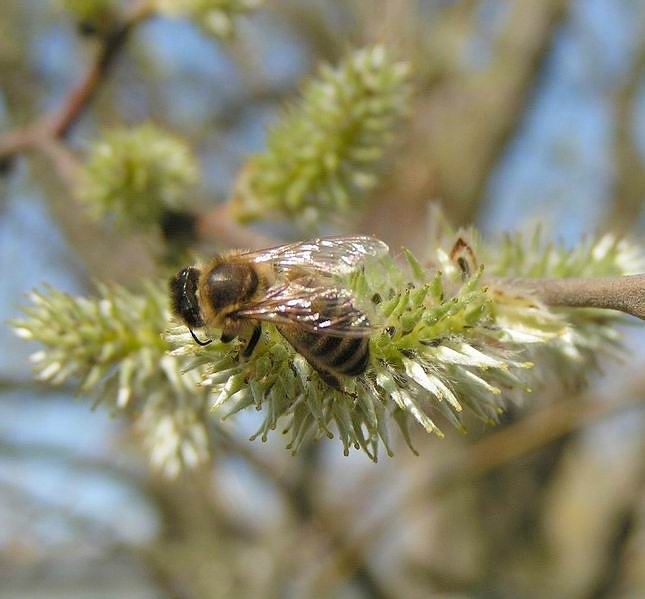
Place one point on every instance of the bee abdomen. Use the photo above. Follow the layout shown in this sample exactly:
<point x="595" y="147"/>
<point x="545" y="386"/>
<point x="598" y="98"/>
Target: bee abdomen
<point x="351" y="356"/>
<point x="341" y="355"/>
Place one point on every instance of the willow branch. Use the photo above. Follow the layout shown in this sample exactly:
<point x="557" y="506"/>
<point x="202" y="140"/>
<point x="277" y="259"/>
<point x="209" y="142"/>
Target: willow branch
<point x="81" y="96"/>
<point x="629" y="179"/>
<point x="626" y="294"/>
<point x="530" y="435"/>
<point x="58" y="125"/>
<point x="218" y="224"/>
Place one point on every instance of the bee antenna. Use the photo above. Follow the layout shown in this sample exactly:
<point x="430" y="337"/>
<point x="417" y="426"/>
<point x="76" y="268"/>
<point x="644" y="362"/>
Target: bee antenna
<point x="202" y="343"/>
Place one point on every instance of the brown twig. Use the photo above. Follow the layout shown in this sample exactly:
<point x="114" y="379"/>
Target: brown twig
<point x="219" y="225"/>
<point x="66" y="164"/>
<point x="44" y="136"/>
<point x="58" y="125"/>
<point x="18" y="141"/>
<point x="626" y="294"/>
<point x="81" y="96"/>
<point x="629" y="178"/>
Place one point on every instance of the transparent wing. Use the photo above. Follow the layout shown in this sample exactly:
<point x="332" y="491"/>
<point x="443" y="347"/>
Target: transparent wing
<point x="333" y="255"/>
<point x="319" y="308"/>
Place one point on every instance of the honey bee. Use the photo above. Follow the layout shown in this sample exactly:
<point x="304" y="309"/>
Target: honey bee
<point x="293" y="286"/>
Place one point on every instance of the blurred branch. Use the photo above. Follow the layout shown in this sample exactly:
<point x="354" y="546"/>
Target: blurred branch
<point x="260" y="94"/>
<point x="308" y="22"/>
<point x="479" y="459"/>
<point x="35" y="388"/>
<point x="618" y="554"/>
<point x="531" y="434"/>
<point x="45" y="136"/>
<point x="130" y="257"/>
<point x="65" y="163"/>
<point x="297" y="494"/>
<point x="58" y="125"/>
<point x="521" y="52"/>
<point x="162" y="575"/>
<point x="171" y="504"/>
<point x="218" y="225"/>
<point x="213" y="226"/>
<point x="101" y="535"/>
<point x="629" y="179"/>
<point x="81" y="96"/>
<point x="502" y="96"/>
<point x="462" y="126"/>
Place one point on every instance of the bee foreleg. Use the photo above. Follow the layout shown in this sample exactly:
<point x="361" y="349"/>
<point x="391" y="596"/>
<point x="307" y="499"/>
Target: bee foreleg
<point x="252" y="342"/>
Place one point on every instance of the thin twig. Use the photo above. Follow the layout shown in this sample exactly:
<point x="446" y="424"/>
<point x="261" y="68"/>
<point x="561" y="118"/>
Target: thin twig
<point x="219" y="226"/>
<point x="626" y="294"/>
<point x="629" y="174"/>
<point x="58" y="125"/>
<point x="18" y="141"/>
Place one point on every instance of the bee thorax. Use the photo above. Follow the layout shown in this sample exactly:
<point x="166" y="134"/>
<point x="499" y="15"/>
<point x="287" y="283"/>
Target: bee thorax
<point x="229" y="284"/>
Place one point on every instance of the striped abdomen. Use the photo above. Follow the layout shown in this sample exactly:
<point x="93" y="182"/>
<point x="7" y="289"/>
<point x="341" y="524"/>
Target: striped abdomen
<point x="330" y="355"/>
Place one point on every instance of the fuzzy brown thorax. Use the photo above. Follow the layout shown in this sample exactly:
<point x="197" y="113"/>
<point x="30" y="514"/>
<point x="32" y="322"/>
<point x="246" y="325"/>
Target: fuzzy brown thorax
<point x="226" y="285"/>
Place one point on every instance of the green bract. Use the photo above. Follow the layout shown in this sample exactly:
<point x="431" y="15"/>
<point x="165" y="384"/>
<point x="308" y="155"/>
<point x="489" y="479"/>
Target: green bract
<point x="134" y="175"/>
<point x="216" y="17"/>
<point x="92" y="11"/>
<point x="590" y="334"/>
<point x="113" y="347"/>
<point x="324" y="154"/>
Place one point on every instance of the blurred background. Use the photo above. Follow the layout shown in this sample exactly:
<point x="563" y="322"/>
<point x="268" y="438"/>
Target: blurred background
<point x="524" y="110"/>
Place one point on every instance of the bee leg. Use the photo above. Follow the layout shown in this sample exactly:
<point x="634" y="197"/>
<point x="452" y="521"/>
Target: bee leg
<point x="252" y="342"/>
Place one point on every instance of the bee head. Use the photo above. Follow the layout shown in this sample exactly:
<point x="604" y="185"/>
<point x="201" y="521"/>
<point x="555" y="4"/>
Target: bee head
<point x="183" y="297"/>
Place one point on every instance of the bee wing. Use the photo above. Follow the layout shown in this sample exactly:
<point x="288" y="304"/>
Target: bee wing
<point x="333" y="255"/>
<point x="322" y="308"/>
